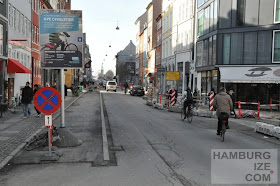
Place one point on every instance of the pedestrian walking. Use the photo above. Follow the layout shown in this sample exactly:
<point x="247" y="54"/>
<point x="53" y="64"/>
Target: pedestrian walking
<point x="232" y="95"/>
<point x="36" y="88"/>
<point x="125" y="87"/>
<point x="27" y="96"/>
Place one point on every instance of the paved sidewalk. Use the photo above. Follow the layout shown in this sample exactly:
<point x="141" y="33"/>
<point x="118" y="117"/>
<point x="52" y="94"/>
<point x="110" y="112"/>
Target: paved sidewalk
<point x="15" y="131"/>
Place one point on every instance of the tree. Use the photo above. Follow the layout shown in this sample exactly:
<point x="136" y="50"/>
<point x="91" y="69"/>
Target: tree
<point x="109" y="75"/>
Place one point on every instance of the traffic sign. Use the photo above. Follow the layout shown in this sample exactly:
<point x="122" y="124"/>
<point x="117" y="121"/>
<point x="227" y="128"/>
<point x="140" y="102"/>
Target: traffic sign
<point x="47" y="100"/>
<point x="48" y="120"/>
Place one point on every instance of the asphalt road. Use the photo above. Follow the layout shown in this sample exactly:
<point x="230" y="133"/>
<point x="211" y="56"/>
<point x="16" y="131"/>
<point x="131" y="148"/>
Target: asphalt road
<point x="158" y="148"/>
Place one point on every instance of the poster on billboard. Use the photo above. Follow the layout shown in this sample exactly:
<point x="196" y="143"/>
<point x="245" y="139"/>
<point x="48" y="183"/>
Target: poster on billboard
<point x="61" y="39"/>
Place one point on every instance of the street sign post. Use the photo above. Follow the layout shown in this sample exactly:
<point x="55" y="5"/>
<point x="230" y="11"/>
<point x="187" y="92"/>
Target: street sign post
<point x="48" y="100"/>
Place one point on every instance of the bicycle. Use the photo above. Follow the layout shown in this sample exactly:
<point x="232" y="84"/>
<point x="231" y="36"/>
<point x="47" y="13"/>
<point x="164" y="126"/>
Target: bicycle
<point x="188" y="115"/>
<point x="224" y="119"/>
<point x="42" y="140"/>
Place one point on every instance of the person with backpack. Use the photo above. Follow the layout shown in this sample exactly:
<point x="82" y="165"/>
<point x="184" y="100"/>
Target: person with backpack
<point x="188" y="99"/>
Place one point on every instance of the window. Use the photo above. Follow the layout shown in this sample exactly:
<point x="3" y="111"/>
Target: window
<point x="200" y="23"/>
<point x="200" y="2"/>
<point x="199" y="47"/>
<point x="206" y="19"/>
<point x="163" y="48"/>
<point x="17" y="22"/>
<point x="264" y="47"/>
<point x="170" y="47"/>
<point x="205" y="53"/>
<point x="211" y="17"/>
<point x="1" y="40"/>
<point x="170" y="21"/>
<point x="167" y="25"/>
<point x="215" y="17"/>
<point x="277" y="11"/>
<point x="11" y="16"/>
<point x="276" y="47"/>
<point x="210" y="51"/>
<point x="163" y="26"/>
<point x="240" y="12"/>
<point x="236" y="48"/>
<point x="214" y="49"/>
<point x="187" y="9"/>
<point x="250" y="48"/>
<point x="166" y="49"/>
<point x="226" y="49"/>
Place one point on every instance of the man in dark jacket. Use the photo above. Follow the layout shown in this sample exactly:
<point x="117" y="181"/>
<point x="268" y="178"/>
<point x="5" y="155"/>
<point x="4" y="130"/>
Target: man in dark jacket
<point x="27" y="96"/>
<point x="36" y="88"/>
<point x="222" y="103"/>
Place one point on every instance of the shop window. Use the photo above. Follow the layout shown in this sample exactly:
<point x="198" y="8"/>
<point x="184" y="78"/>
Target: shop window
<point x="203" y="83"/>
<point x="276" y="47"/>
<point x="226" y="48"/>
<point x="215" y="80"/>
<point x="236" y="48"/>
<point x="209" y="81"/>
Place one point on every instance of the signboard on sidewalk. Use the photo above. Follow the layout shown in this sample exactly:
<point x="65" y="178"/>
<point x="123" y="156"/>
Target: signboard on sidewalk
<point x="172" y="76"/>
<point x="47" y="100"/>
<point x="61" y="39"/>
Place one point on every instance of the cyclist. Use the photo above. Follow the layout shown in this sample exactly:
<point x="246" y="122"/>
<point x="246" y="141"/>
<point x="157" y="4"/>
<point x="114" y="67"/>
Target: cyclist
<point x="222" y="103"/>
<point x="188" y="99"/>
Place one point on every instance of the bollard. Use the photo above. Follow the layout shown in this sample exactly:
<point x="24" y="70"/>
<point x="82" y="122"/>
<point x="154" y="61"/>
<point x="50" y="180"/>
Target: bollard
<point x="259" y="108"/>
<point x="239" y="109"/>
<point x="173" y="98"/>
<point x="211" y="99"/>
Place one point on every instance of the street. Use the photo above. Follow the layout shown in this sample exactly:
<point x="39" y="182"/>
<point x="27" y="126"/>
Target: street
<point x="157" y="148"/>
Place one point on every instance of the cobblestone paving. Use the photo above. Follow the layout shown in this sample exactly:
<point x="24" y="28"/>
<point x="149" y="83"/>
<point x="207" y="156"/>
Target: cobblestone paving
<point x="27" y="127"/>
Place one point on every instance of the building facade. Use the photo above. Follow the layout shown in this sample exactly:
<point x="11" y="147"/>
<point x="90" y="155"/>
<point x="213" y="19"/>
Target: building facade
<point x="168" y="42"/>
<point x="19" y="49"/>
<point x="183" y="30"/>
<point x="237" y="47"/>
<point x="125" y="64"/>
<point x="3" y="48"/>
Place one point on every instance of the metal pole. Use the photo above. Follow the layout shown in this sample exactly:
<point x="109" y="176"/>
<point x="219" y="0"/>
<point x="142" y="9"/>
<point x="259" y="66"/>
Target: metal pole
<point x="50" y="148"/>
<point x="62" y="125"/>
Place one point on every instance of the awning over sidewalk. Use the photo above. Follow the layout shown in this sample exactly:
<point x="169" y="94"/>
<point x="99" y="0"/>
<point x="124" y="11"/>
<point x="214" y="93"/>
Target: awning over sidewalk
<point x="259" y="74"/>
<point x="15" y="66"/>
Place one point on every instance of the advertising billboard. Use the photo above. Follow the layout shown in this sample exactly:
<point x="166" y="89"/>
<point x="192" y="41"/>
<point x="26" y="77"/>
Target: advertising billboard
<point x="61" y="39"/>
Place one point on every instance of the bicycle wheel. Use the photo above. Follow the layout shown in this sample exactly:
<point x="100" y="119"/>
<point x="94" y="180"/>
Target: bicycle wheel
<point x="71" y="46"/>
<point x="189" y="116"/>
<point x="182" y="114"/>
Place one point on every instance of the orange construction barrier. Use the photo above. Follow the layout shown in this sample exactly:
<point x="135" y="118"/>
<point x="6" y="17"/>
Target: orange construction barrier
<point x="160" y="99"/>
<point x="259" y="108"/>
<point x="239" y="109"/>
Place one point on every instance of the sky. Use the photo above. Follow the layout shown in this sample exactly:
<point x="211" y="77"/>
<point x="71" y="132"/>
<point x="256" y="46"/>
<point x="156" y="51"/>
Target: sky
<point x="100" y="19"/>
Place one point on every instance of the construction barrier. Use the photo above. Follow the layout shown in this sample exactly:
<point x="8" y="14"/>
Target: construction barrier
<point x="159" y="98"/>
<point x="211" y="99"/>
<point x="268" y="129"/>
<point x="173" y="98"/>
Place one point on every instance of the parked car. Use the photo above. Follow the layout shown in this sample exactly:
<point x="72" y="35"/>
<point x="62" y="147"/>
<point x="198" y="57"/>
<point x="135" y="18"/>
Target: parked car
<point x="111" y="85"/>
<point x="137" y="90"/>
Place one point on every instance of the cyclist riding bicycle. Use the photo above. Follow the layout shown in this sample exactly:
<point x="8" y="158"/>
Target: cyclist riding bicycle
<point x="187" y="99"/>
<point x="222" y="103"/>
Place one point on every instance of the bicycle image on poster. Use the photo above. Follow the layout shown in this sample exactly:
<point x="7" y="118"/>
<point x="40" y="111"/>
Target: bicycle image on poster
<point x="61" y="39"/>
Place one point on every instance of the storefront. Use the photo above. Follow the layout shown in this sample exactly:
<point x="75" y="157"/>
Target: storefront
<point x="209" y="80"/>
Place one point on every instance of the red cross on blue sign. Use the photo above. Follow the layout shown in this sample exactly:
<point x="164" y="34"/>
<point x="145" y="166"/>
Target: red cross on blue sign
<point x="47" y="100"/>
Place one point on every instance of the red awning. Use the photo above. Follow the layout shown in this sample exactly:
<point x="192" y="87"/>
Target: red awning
<point x="15" y="66"/>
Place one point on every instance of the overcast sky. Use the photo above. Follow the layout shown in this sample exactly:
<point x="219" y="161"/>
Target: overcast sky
<point x="100" y="21"/>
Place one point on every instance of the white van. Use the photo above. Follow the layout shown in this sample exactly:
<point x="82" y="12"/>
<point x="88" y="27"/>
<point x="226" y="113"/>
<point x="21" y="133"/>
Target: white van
<point x="111" y="85"/>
